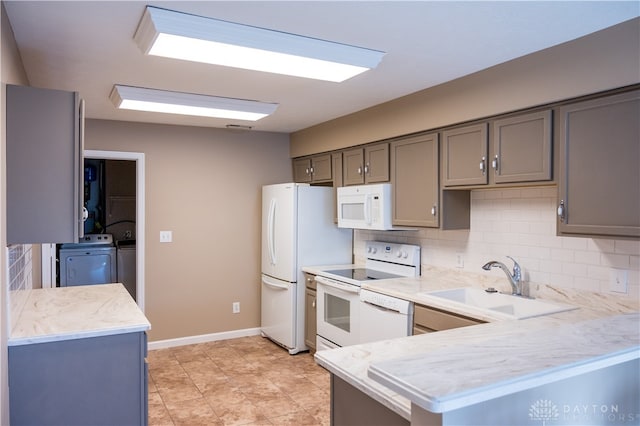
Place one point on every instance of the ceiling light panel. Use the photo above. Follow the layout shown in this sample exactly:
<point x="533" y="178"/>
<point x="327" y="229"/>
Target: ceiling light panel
<point x="153" y="100"/>
<point x="178" y="35"/>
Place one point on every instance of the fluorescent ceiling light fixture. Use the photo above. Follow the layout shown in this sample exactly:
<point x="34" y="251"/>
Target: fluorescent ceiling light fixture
<point x="178" y="35"/>
<point x="141" y="99"/>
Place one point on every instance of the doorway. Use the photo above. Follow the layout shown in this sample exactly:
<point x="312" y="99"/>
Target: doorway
<point x="48" y="251"/>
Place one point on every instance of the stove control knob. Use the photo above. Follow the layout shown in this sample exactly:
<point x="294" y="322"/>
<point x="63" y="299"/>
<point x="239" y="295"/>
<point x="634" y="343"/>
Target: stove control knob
<point x="399" y="254"/>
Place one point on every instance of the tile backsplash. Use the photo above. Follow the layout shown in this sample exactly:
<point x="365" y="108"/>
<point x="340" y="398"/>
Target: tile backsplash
<point x="19" y="264"/>
<point x="521" y="223"/>
<point x="20" y="277"/>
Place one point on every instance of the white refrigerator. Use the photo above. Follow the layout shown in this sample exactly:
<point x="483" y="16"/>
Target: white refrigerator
<point x="298" y="230"/>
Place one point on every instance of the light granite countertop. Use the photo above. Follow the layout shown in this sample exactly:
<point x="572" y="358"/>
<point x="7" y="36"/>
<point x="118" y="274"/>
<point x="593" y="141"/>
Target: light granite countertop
<point x="508" y="363"/>
<point x="394" y="372"/>
<point x="64" y="313"/>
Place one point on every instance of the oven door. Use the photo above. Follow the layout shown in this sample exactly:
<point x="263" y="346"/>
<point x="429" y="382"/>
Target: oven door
<point x="338" y="311"/>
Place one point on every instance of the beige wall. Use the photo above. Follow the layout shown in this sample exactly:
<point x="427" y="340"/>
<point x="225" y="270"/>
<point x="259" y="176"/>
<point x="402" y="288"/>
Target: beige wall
<point x="204" y="185"/>
<point x="600" y="61"/>
<point x="12" y="72"/>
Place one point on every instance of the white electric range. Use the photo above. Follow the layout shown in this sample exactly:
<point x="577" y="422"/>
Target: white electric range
<point x="345" y="312"/>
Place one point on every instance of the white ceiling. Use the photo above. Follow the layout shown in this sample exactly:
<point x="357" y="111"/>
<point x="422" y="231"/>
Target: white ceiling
<point x="88" y="46"/>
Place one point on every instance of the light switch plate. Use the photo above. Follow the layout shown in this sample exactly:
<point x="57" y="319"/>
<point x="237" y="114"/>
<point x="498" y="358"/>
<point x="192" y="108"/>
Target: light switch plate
<point x="166" y="236"/>
<point x="618" y="280"/>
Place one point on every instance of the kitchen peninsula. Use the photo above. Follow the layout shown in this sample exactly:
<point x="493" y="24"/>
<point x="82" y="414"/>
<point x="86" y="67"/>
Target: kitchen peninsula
<point x="501" y="372"/>
<point x="77" y="356"/>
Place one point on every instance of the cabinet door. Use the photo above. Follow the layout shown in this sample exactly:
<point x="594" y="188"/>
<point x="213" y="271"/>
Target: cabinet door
<point x="302" y="170"/>
<point x="522" y="148"/>
<point x="44" y="165"/>
<point x="414" y="175"/>
<point x="376" y="164"/>
<point x="428" y="320"/>
<point x="464" y="155"/>
<point x="599" y="184"/>
<point x="99" y="380"/>
<point x="321" y="168"/>
<point x="352" y="166"/>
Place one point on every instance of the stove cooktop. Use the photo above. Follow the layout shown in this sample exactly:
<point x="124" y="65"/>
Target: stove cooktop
<point x="362" y="274"/>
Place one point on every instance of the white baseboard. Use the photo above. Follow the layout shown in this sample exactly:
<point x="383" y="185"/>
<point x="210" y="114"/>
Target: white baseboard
<point x="203" y="338"/>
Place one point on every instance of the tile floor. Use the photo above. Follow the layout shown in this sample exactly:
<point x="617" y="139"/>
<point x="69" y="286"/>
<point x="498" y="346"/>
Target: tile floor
<point x="244" y="381"/>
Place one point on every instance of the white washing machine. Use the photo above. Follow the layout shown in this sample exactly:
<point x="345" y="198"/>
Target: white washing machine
<point x="92" y="261"/>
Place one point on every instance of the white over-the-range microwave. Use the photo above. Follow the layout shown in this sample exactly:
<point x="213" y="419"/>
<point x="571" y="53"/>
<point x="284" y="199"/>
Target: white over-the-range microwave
<point x="365" y="207"/>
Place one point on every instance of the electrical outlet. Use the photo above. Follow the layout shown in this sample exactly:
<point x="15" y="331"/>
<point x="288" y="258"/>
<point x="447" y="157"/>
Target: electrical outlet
<point x="618" y="280"/>
<point x="235" y="307"/>
<point x="166" y="236"/>
<point x="459" y="260"/>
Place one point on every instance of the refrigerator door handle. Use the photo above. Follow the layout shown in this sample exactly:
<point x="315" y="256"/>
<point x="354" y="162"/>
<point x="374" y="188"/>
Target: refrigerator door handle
<point x="271" y="284"/>
<point x="270" y="231"/>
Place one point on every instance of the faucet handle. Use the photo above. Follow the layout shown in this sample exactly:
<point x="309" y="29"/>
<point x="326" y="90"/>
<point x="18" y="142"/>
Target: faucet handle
<point x="517" y="271"/>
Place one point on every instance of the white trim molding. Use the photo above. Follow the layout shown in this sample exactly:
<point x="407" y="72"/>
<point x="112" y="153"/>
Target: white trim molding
<point x="203" y="338"/>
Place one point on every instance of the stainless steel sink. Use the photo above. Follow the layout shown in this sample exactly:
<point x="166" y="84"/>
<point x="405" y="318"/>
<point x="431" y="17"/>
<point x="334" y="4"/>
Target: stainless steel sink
<point x="497" y="303"/>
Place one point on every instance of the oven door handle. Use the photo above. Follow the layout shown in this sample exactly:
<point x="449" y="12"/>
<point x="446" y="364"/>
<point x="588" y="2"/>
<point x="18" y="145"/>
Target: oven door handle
<point x="348" y="288"/>
<point x="381" y="308"/>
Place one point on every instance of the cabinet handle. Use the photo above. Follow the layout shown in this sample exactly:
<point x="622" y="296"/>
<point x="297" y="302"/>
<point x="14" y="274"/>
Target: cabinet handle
<point x="366" y="168"/>
<point x="359" y="170"/>
<point x="311" y="170"/>
<point x="561" y="211"/>
<point x="494" y="163"/>
<point x="434" y="210"/>
<point x="313" y="304"/>
<point x="483" y="165"/>
<point x="307" y="171"/>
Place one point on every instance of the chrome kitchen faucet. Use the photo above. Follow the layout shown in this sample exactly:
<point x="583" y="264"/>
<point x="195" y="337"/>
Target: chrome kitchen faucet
<point x="515" y="278"/>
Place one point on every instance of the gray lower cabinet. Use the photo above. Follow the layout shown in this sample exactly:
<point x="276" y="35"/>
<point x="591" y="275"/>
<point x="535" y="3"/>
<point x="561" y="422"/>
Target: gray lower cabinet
<point x="352" y="407"/>
<point x="90" y="381"/>
<point x="599" y="182"/>
<point x="44" y="165"/>
<point x="414" y="176"/>
<point x="310" y="319"/>
<point x="429" y="320"/>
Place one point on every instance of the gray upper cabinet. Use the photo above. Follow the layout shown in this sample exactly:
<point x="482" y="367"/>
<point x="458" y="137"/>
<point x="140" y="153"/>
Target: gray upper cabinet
<point x="302" y="170"/>
<point x="353" y="166"/>
<point x="312" y="169"/>
<point x="464" y="156"/>
<point x="44" y="165"/>
<point x="366" y="165"/>
<point x="414" y="176"/>
<point x="521" y="148"/>
<point x="599" y="182"/>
